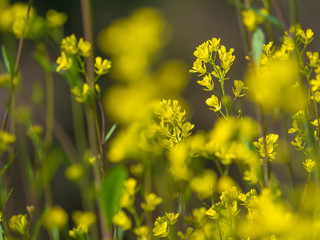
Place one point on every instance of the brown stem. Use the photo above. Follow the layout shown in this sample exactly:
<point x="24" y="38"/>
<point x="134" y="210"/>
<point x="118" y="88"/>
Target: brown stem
<point x="279" y="11"/>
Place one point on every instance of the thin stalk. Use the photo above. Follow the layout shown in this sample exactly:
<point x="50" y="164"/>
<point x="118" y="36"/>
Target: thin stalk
<point x="49" y="109"/>
<point x="91" y="113"/>
<point x="263" y="133"/>
<point x="279" y="11"/>
<point x="304" y="193"/>
<point x="293" y="12"/>
<point x="16" y="68"/>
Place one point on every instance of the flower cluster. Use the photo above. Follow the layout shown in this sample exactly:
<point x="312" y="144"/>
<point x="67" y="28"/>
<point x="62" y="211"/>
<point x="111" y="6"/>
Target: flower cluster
<point x="208" y="53"/>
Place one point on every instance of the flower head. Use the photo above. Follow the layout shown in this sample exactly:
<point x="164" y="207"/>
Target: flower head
<point x="102" y="67"/>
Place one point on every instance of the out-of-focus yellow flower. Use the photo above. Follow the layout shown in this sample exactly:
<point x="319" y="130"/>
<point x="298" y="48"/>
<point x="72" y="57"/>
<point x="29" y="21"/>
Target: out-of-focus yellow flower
<point x="74" y="172"/>
<point x="5" y="140"/>
<point x="84" y="218"/>
<point x="19" y="224"/>
<point x="142" y="232"/>
<point x="151" y="202"/>
<point x="204" y="184"/>
<point x="55" y="19"/>
<point x="128" y="193"/>
<point x="178" y="161"/>
<point x="172" y="218"/>
<point x="80" y="232"/>
<point x="309" y="165"/>
<point x="81" y="93"/>
<point x="84" y="47"/>
<point x="278" y="86"/>
<point x="211" y="213"/>
<point x="56" y="217"/>
<point x="64" y="62"/>
<point x="121" y="219"/>
<point x="251" y="19"/>
<point x="102" y="67"/>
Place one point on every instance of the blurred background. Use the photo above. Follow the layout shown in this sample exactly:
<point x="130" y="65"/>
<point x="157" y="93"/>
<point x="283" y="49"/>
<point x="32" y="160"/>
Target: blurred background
<point x="187" y="24"/>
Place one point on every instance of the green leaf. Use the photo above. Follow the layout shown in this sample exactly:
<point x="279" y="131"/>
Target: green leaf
<point x="8" y="62"/>
<point x="110" y="132"/>
<point x="1" y="236"/>
<point x="111" y="191"/>
<point x="5" y="167"/>
<point x="257" y="48"/>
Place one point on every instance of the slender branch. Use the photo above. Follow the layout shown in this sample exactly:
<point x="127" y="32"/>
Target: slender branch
<point x="280" y="14"/>
<point x="16" y="68"/>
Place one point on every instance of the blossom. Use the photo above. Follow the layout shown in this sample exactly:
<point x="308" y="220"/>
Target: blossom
<point x="64" y="62"/>
<point x="55" y="19"/>
<point x="214" y="103"/>
<point x="152" y="201"/>
<point x="69" y="44"/>
<point x="84" y="47"/>
<point x="121" y="219"/>
<point x="101" y="67"/>
<point x="160" y="229"/>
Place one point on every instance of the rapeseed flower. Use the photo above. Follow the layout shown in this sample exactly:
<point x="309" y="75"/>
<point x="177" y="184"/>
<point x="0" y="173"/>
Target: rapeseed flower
<point x="101" y="67"/>
<point x="64" y="62"/>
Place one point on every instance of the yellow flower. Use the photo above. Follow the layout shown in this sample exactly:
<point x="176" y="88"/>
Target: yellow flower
<point x="142" y="232"/>
<point x="207" y="82"/>
<point x="19" y="224"/>
<point x="204" y="52"/>
<point x="271" y="140"/>
<point x="80" y="232"/>
<point x="214" y="44"/>
<point x="55" y="19"/>
<point x="69" y="44"/>
<point x="160" y="229"/>
<point x="84" y="47"/>
<point x="211" y="213"/>
<point x="204" y="184"/>
<point x="81" y="95"/>
<point x="313" y="59"/>
<point x="172" y="218"/>
<point x="226" y="58"/>
<point x="309" y="165"/>
<point x="249" y="19"/>
<point x="238" y="86"/>
<point x="56" y="218"/>
<point x="198" y="66"/>
<point x="214" y="103"/>
<point x="152" y="201"/>
<point x="64" y="62"/>
<point x="121" y="219"/>
<point x="74" y="172"/>
<point x="102" y="67"/>
<point x="84" y="218"/>
<point x="5" y="140"/>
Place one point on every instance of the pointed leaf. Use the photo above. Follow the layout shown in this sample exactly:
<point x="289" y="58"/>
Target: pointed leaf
<point x="8" y="62"/>
<point x="111" y="191"/>
<point x="110" y="132"/>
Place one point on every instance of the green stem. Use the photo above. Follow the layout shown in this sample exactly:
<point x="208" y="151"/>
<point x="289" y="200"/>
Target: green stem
<point x="16" y="69"/>
<point x="49" y="109"/>
<point x="304" y="193"/>
<point x="293" y="12"/>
